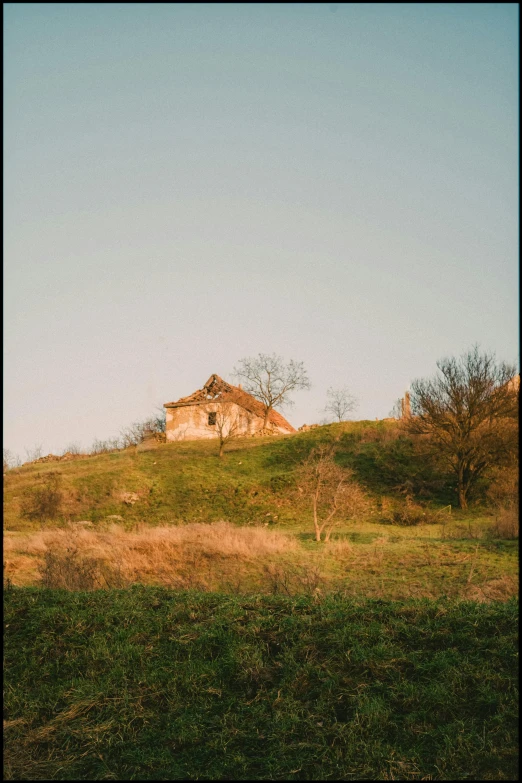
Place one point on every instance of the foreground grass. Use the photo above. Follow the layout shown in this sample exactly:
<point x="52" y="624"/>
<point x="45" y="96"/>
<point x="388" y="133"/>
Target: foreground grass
<point x="148" y="683"/>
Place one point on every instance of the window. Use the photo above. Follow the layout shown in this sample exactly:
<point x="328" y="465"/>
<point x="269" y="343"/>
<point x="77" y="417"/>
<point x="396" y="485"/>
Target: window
<point x="212" y="418"/>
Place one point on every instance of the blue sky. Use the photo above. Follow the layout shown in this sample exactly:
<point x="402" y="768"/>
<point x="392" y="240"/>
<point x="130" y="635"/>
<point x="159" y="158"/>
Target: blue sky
<point x="187" y="185"/>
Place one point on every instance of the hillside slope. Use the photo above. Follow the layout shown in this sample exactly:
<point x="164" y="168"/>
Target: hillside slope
<point x="143" y="517"/>
<point x="181" y="482"/>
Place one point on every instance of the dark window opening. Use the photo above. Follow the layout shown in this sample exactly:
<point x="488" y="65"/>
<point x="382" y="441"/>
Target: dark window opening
<point x="212" y="418"/>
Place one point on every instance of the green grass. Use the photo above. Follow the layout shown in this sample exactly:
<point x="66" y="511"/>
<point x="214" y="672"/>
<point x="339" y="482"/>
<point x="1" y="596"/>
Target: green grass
<point x="180" y="482"/>
<point x="253" y="483"/>
<point x="151" y="684"/>
<point x="363" y="658"/>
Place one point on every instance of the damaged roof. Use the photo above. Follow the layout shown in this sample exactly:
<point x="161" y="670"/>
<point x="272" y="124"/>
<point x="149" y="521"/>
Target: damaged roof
<point x="218" y="390"/>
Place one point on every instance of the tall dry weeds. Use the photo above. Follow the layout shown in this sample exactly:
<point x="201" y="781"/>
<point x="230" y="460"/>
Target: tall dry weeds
<point x="506" y="523"/>
<point x="181" y="556"/>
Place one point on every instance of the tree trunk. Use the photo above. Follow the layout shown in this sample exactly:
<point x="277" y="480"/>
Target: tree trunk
<point x="316" y="524"/>
<point x="462" y="488"/>
<point x="221" y="448"/>
<point x="267" y="414"/>
<point x="463" y="503"/>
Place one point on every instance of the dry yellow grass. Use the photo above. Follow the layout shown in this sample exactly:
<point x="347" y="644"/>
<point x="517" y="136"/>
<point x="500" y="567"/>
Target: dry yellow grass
<point x="163" y="555"/>
<point x="376" y="562"/>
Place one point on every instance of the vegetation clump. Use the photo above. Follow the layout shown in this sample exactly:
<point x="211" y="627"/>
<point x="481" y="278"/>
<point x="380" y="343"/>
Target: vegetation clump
<point x="469" y="410"/>
<point x="408" y="513"/>
<point x="43" y="501"/>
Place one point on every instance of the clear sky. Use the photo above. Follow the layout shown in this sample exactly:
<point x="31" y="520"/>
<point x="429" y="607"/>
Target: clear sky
<point x="187" y="185"/>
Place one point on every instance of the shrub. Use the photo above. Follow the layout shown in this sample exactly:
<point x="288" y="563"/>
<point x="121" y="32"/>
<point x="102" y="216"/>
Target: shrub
<point x="11" y="460"/>
<point x="408" y="514"/>
<point x="506" y="523"/>
<point x="503" y="488"/>
<point x="43" y="502"/>
<point x="69" y="569"/>
<point x="135" y="434"/>
<point x="331" y="490"/>
<point x="502" y="494"/>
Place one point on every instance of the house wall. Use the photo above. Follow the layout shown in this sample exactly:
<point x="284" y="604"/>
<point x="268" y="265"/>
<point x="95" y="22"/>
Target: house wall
<point x="190" y="422"/>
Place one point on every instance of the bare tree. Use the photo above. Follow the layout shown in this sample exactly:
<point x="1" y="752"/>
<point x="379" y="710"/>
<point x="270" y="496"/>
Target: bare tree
<point x="271" y="381"/>
<point x="33" y="455"/>
<point x="132" y="436"/>
<point x="135" y="434"/>
<point x="72" y="448"/>
<point x="331" y="490"/>
<point x="396" y="411"/>
<point x="159" y="420"/>
<point x="11" y="460"/>
<point x="470" y="411"/>
<point x="227" y="421"/>
<point x="339" y="403"/>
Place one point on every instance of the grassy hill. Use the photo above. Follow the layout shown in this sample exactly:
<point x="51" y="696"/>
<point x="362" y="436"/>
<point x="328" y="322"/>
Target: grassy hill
<point x="204" y="634"/>
<point x="186" y="482"/>
<point x="268" y="543"/>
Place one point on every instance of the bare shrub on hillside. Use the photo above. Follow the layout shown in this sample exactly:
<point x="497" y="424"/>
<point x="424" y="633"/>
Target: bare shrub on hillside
<point x="10" y="460"/>
<point x="43" y="502"/>
<point x="105" y="446"/>
<point x="72" y="448"/>
<point x="131" y="436"/>
<point x="506" y="523"/>
<point x="502" y="495"/>
<point x="331" y="490"/>
<point x="34" y="453"/>
<point x="135" y="433"/>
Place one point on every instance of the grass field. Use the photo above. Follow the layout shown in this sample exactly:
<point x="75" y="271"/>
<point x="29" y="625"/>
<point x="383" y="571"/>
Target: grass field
<point x="170" y="616"/>
<point x="148" y="683"/>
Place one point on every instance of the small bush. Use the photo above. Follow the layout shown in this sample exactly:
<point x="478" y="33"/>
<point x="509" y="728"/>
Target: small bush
<point x="503" y="487"/>
<point x="293" y="580"/>
<point x="11" y="460"/>
<point x="506" y="523"/>
<point x="281" y="483"/>
<point x="408" y="514"/>
<point x="69" y="569"/>
<point x="43" y="502"/>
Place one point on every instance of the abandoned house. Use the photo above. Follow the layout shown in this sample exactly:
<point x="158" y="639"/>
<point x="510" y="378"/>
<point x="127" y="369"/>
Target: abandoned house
<point x="219" y="405"/>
